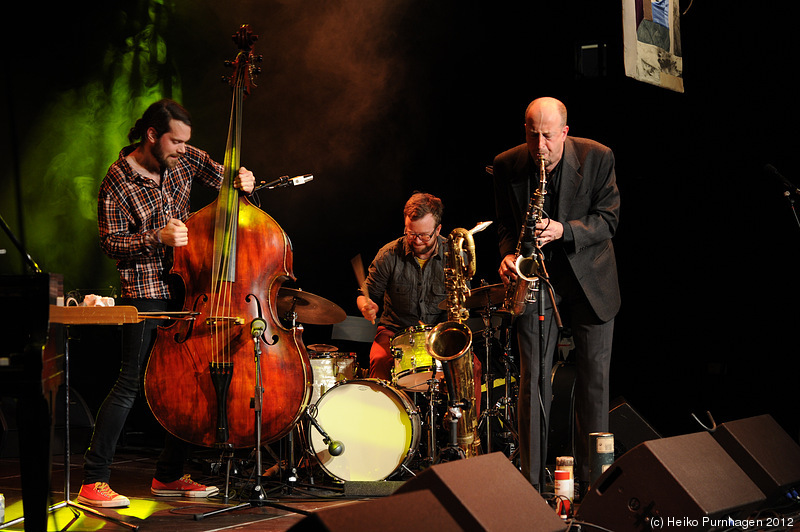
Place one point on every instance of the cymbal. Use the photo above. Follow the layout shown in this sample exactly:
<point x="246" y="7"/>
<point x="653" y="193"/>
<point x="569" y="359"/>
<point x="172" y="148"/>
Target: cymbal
<point x="310" y="308"/>
<point x="482" y="297"/>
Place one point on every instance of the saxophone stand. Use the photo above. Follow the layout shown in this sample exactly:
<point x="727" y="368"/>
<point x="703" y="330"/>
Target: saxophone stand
<point x="259" y="498"/>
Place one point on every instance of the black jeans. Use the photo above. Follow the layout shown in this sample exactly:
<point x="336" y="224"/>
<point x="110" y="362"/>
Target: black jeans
<point x="137" y="342"/>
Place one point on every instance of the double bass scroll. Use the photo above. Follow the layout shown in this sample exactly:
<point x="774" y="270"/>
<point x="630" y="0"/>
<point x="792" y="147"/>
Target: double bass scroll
<point x="200" y="377"/>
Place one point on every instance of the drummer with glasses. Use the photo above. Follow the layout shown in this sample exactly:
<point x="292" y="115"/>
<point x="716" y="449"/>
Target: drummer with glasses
<point x="407" y="276"/>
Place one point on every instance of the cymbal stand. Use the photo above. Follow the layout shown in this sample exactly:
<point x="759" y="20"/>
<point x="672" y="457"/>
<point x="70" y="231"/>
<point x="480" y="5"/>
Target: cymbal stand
<point x="491" y="410"/>
<point x="257" y="328"/>
<point x="509" y="397"/>
<point x="291" y="482"/>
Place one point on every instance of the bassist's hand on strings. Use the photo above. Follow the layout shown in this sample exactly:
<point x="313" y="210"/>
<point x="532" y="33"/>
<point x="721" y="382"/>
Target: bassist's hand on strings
<point x="245" y="180"/>
<point x="174" y="234"/>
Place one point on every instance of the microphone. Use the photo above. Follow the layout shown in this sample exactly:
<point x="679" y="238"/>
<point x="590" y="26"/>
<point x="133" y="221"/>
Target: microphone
<point x="335" y="448"/>
<point x="771" y="170"/>
<point x="301" y="180"/>
<point x="285" y="181"/>
<point x="257" y="327"/>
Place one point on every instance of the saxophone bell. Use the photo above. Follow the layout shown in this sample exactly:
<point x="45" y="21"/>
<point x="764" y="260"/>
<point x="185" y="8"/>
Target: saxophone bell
<point x="448" y="341"/>
<point x="527" y="268"/>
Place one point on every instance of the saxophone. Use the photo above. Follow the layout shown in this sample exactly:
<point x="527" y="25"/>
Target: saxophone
<point x="451" y="341"/>
<point x="523" y="289"/>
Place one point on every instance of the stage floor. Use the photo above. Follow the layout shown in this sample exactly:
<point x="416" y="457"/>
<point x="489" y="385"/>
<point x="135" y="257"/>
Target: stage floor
<point x="131" y="475"/>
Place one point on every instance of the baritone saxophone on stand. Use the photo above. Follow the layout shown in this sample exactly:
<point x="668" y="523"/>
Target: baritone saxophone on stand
<point x="451" y="342"/>
<point x="523" y="289"/>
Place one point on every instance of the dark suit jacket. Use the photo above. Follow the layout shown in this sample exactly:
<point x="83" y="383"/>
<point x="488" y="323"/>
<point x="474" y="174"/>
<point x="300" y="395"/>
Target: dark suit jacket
<point x="588" y="206"/>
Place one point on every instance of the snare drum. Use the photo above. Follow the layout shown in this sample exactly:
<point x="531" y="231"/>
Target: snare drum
<point x="377" y="424"/>
<point x="328" y="368"/>
<point x="413" y="365"/>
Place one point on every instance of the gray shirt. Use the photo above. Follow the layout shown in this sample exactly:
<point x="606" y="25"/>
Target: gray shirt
<point x="411" y="294"/>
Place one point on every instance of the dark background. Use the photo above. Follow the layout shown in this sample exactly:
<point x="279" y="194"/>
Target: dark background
<point x="379" y="99"/>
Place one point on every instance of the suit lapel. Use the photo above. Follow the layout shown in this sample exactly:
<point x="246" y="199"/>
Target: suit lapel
<point x="571" y="178"/>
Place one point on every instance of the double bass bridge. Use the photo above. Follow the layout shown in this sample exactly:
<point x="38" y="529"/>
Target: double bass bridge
<point x="213" y="321"/>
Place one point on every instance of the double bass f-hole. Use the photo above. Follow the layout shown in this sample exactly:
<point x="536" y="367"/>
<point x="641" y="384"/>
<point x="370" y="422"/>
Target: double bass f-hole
<point x="274" y="337"/>
<point x="200" y="384"/>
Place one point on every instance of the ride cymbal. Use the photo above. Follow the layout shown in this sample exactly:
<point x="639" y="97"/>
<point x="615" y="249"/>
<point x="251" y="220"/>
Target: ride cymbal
<point x="310" y="308"/>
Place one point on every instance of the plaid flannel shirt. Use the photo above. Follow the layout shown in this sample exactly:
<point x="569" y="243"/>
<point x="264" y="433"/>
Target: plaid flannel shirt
<point x="132" y="208"/>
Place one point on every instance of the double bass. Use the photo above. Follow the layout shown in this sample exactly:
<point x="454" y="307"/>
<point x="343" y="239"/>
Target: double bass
<point x="201" y="377"/>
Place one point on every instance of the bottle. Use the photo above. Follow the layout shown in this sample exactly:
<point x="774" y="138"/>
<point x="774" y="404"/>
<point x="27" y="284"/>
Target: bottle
<point x="565" y="491"/>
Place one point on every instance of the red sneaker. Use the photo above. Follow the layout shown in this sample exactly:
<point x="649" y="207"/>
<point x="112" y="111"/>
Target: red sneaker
<point x="183" y="487"/>
<point x="100" y="494"/>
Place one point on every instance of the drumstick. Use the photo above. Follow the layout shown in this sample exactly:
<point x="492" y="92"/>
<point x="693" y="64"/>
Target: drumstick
<point x="358" y="269"/>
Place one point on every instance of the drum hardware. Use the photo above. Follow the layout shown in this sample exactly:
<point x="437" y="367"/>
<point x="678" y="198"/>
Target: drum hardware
<point x="480" y="297"/>
<point x="490" y="296"/>
<point x="308" y="308"/>
<point x="431" y="394"/>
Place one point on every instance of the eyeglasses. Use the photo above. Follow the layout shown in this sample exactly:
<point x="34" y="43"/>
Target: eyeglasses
<point x="422" y="236"/>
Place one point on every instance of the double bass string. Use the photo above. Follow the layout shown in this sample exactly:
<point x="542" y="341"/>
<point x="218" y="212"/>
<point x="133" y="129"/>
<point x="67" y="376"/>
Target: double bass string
<point x="224" y="274"/>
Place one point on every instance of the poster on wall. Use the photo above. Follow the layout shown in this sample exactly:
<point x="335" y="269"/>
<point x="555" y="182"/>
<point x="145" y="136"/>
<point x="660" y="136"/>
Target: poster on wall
<point x="652" y="42"/>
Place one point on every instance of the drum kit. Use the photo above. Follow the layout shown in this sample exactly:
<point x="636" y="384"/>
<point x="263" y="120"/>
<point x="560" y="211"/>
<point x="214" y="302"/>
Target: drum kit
<point x="364" y="429"/>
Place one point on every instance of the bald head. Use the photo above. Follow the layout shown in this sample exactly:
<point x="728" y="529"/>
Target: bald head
<point x="546" y="130"/>
<point x="548" y="105"/>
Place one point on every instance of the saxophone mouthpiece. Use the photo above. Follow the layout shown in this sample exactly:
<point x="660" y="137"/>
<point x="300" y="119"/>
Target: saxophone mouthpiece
<point x="480" y="227"/>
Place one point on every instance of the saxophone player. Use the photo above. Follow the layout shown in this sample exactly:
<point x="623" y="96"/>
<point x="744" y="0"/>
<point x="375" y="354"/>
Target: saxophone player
<point x="581" y="213"/>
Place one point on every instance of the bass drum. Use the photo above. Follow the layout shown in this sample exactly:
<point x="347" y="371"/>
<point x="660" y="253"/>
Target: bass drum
<point x="377" y="424"/>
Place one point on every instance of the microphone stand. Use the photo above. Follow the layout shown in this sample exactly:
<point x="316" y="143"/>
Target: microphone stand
<point x="788" y="195"/>
<point x="543" y="278"/>
<point x="335" y="448"/>
<point x="257" y="328"/>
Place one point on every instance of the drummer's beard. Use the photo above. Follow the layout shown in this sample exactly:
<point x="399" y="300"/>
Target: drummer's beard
<point x="427" y="248"/>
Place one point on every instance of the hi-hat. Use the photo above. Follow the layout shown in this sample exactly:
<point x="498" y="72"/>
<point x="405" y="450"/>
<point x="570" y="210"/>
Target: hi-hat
<point x="310" y="308"/>
<point x="485" y="296"/>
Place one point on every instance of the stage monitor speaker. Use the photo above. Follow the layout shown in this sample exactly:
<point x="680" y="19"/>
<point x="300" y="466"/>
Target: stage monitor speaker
<point x="764" y="451"/>
<point x="418" y="510"/>
<point x="628" y="427"/>
<point x="683" y="482"/>
<point x="486" y="493"/>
